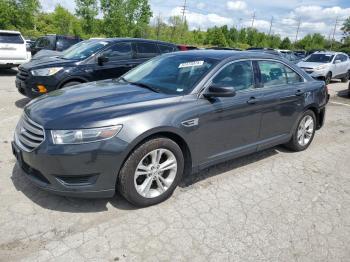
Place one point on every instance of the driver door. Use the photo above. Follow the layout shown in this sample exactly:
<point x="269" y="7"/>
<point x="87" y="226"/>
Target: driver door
<point x="229" y="126"/>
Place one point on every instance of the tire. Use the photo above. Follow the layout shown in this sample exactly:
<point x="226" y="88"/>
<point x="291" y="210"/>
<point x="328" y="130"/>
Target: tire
<point x="346" y="78"/>
<point x="72" y="83"/>
<point x="130" y="184"/>
<point x="349" y="90"/>
<point x="328" y="78"/>
<point x="295" y="144"/>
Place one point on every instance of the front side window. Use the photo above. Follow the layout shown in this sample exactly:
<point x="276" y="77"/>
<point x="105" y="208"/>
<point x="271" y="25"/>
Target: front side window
<point x="238" y="75"/>
<point x="276" y="74"/>
<point x="165" y="48"/>
<point x="122" y="51"/>
<point x="146" y="50"/>
<point x="171" y="74"/>
<point x="8" y="38"/>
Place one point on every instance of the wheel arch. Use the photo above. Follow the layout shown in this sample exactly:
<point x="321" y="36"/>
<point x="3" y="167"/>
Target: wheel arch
<point x="72" y="79"/>
<point x="318" y="113"/>
<point x="171" y="134"/>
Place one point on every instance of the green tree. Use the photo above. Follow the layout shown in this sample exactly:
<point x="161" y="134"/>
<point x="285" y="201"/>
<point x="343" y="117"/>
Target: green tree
<point x="87" y="10"/>
<point x="346" y="27"/>
<point x="285" y="44"/>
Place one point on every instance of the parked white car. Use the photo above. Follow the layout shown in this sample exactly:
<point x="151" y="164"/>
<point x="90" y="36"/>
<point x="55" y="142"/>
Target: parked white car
<point x="327" y="66"/>
<point x="13" y="50"/>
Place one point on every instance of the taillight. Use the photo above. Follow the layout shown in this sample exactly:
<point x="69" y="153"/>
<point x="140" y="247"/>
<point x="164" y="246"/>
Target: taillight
<point x="183" y="48"/>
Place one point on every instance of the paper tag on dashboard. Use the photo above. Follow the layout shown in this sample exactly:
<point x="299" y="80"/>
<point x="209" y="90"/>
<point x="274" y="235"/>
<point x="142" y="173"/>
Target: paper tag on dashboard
<point x="190" y="64"/>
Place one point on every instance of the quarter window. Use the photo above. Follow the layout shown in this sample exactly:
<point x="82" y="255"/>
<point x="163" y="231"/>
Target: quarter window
<point x="276" y="74"/>
<point x="238" y="75"/>
<point x="146" y="50"/>
<point x="165" y="48"/>
<point x="118" y="52"/>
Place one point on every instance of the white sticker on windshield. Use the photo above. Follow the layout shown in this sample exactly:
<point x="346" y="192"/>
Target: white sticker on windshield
<point x="190" y="64"/>
<point x="179" y="90"/>
<point x="104" y="43"/>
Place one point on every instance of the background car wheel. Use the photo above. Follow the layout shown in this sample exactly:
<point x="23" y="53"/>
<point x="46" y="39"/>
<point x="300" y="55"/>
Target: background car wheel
<point x="152" y="172"/>
<point x="346" y="78"/>
<point x="73" y="83"/>
<point x="328" y="78"/>
<point x="304" y="133"/>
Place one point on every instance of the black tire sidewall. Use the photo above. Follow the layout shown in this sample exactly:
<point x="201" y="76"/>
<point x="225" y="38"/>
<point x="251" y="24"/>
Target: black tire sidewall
<point x="126" y="176"/>
<point x="295" y="142"/>
<point x="328" y="78"/>
<point x="73" y="83"/>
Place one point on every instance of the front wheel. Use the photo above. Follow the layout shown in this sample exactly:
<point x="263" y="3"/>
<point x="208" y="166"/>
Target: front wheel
<point x="346" y="78"/>
<point x="152" y="172"/>
<point x="304" y="133"/>
<point x="72" y="83"/>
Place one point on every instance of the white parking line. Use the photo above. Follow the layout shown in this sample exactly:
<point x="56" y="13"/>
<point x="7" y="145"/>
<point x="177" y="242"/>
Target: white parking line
<point x="342" y="104"/>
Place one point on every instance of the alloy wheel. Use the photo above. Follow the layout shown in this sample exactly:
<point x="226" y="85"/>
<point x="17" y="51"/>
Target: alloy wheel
<point x="155" y="173"/>
<point x="305" y="130"/>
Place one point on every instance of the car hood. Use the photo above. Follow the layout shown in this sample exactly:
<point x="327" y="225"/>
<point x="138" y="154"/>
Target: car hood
<point x="94" y="104"/>
<point x="310" y="64"/>
<point x="46" y="62"/>
<point x="46" y="53"/>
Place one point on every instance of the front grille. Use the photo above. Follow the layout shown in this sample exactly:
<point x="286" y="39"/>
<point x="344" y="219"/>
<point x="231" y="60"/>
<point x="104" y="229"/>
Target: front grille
<point x="22" y="74"/>
<point x="28" y="135"/>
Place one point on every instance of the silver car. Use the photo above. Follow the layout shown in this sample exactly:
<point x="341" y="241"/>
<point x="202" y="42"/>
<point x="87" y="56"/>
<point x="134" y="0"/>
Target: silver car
<point x="327" y="66"/>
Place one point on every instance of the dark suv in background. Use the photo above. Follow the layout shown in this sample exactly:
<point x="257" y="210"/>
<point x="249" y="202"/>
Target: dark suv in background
<point x="92" y="60"/>
<point x="54" y="43"/>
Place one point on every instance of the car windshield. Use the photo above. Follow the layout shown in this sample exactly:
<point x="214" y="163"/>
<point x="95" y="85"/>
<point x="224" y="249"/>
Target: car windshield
<point x="171" y="74"/>
<point x="84" y="50"/>
<point x="320" y="58"/>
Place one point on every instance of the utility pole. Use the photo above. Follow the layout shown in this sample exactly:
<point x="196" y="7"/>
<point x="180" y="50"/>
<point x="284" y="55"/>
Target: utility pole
<point x="335" y="29"/>
<point x="239" y="23"/>
<point x="253" y="19"/>
<point x="296" y="36"/>
<point x="271" y="22"/>
<point x="184" y="7"/>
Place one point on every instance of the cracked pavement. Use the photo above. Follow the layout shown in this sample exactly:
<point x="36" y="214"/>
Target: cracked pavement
<point x="271" y="206"/>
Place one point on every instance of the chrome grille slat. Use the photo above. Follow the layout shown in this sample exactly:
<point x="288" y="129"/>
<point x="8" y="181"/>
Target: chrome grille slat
<point x="29" y="135"/>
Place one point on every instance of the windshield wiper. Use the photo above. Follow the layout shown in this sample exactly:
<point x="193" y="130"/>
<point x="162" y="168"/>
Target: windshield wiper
<point x="145" y="86"/>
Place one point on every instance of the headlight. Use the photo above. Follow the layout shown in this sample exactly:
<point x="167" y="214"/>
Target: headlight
<point x="82" y="136"/>
<point x="46" y="71"/>
<point x="321" y="67"/>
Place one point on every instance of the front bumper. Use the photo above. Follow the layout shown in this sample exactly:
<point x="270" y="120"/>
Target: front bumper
<point x="28" y="85"/>
<point x="320" y="74"/>
<point x="87" y="170"/>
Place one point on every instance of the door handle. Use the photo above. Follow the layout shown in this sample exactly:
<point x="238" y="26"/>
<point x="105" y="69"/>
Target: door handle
<point x="252" y="100"/>
<point x="299" y="92"/>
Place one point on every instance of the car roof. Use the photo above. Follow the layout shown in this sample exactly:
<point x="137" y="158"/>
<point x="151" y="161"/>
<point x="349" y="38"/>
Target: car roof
<point x="119" y="39"/>
<point x="226" y="54"/>
<point x="10" y="32"/>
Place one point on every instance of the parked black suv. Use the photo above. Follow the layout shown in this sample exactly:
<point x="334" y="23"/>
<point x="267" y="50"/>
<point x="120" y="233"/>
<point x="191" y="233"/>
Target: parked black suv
<point x="93" y="60"/>
<point x="174" y="114"/>
<point x="54" y="42"/>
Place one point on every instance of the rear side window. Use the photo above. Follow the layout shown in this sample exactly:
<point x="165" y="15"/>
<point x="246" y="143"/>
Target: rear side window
<point x="146" y="50"/>
<point x="122" y="51"/>
<point x="42" y="42"/>
<point x="64" y="43"/>
<point x="166" y="48"/>
<point x="6" y="38"/>
<point x="238" y="75"/>
<point x="276" y="74"/>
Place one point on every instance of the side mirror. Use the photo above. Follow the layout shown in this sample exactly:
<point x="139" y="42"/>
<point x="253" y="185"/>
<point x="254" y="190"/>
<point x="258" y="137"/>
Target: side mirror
<point x="337" y="61"/>
<point x="220" y="91"/>
<point x="102" y="59"/>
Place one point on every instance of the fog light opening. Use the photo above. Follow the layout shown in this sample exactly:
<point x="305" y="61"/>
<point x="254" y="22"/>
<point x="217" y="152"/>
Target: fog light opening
<point x="42" y="89"/>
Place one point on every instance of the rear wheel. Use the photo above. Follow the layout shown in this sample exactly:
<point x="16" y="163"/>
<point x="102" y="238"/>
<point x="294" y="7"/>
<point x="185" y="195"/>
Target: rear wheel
<point x="304" y="133"/>
<point x="328" y="78"/>
<point x="346" y="78"/>
<point x="152" y="172"/>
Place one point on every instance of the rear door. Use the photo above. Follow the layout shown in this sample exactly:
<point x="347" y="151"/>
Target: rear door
<point x="146" y="51"/>
<point x="120" y="60"/>
<point x="12" y="47"/>
<point x="283" y="99"/>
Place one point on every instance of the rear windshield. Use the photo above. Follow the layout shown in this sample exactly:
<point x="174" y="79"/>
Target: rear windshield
<point x="7" y="38"/>
<point x="320" y="58"/>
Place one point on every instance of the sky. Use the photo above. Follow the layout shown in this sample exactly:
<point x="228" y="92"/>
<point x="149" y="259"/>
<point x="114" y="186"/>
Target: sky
<point x="315" y="16"/>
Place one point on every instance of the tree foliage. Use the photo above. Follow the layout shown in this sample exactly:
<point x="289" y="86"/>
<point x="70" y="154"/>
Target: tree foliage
<point x="87" y="10"/>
